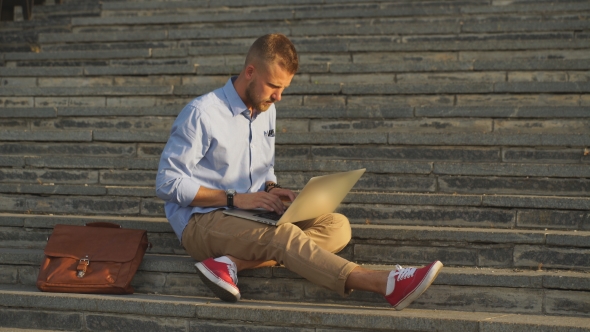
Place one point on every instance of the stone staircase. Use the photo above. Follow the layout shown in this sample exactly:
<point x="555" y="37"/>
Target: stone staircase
<point x="472" y="119"/>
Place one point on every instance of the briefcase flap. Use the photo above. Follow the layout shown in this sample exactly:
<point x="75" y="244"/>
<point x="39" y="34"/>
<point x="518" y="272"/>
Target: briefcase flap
<point x="98" y="243"/>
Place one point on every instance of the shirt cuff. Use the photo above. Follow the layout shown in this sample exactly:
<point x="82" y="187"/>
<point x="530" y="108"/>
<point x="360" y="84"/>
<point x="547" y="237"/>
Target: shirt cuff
<point x="186" y="191"/>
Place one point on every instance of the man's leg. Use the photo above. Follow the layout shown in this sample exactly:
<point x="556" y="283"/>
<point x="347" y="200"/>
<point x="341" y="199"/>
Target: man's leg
<point x="251" y="244"/>
<point x="216" y="234"/>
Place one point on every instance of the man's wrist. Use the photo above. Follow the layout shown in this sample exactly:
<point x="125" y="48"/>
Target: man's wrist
<point x="270" y="186"/>
<point x="230" y="195"/>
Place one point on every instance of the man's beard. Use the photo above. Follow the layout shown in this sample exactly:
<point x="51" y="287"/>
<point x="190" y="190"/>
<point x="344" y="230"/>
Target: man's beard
<point x="257" y="103"/>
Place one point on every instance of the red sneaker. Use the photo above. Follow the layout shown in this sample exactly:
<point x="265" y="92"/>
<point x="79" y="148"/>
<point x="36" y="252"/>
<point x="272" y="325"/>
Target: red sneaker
<point x="409" y="283"/>
<point x="220" y="277"/>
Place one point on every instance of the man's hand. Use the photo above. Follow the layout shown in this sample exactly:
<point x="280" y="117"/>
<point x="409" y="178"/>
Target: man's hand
<point x="261" y="199"/>
<point x="284" y="194"/>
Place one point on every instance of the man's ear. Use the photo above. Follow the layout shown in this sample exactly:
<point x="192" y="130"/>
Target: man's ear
<point x="249" y="71"/>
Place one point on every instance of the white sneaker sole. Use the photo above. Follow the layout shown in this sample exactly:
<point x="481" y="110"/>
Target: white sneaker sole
<point x="428" y="279"/>
<point x="220" y="288"/>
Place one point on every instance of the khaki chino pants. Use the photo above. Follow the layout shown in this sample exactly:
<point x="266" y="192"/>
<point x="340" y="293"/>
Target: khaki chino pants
<point x="306" y="248"/>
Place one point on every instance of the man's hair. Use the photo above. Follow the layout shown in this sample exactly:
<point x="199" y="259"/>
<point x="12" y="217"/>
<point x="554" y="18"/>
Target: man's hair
<point x="274" y="48"/>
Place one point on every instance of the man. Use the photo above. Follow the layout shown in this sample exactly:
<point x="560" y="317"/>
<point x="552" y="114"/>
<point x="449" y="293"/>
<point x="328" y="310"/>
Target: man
<point x="221" y="155"/>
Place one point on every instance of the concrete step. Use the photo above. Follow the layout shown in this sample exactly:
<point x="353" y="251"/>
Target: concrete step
<point x="313" y="108"/>
<point x="408" y="43"/>
<point x="309" y="11"/>
<point x="498" y="211"/>
<point x="138" y="203"/>
<point x="28" y="308"/>
<point x="347" y="27"/>
<point x="285" y="125"/>
<point x="313" y="89"/>
<point x="512" y="291"/>
<point x="371" y="244"/>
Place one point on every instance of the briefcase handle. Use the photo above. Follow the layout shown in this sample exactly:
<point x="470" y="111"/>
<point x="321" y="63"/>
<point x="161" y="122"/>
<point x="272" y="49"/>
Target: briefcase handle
<point x="103" y="224"/>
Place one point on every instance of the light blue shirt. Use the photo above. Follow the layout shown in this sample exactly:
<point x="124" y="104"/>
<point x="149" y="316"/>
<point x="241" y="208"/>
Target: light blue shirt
<point x="214" y="143"/>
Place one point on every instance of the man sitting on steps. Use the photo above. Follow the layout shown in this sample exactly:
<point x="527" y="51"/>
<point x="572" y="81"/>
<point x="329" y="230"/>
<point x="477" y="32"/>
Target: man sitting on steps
<point x="220" y="154"/>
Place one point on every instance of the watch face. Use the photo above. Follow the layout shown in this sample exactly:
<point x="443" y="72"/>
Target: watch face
<point x="230" y="191"/>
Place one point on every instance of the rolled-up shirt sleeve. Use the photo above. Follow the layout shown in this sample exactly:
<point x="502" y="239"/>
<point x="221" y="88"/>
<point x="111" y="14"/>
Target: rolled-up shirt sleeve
<point x="189" y="141"/>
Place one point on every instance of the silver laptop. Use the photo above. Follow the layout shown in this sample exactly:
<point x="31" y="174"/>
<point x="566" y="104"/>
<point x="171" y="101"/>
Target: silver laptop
<point x="321" y="195"/>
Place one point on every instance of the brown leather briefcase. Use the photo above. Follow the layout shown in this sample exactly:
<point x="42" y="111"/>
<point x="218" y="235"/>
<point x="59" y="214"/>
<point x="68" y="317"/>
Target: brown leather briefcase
<point x="96" y="258"/>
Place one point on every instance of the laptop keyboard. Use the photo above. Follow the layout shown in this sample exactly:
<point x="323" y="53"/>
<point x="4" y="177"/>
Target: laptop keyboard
<point x="269" y="215"/>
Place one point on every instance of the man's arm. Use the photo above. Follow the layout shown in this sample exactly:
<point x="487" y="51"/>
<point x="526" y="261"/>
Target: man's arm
<point x="187" y="145"/>
<point x="207" y="197"/>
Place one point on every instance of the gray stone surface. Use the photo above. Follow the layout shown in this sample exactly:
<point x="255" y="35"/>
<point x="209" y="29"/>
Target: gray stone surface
<point x="68" y="149"/>
<point x="193" y="90"/>
<point x="196" y="326"/>
<point x="85" y="91"/>
<point x="543" y="87"/>
<point x="140" y="70"/>
<point x="401" y="66"/>
<point x="530" y="64"/>
<point x="553" y="219"/>
<point x="369" y="181"/>
<point x="94" y="163"/>
<point x="138" y="53"/>
<point x="506" y="169"/>
<point x="49" y="38"/>
<point x="20" y="256"/>
<point x="413" y="199"/>
<point x="331" y="138"/>
<point x="46" y="135"/>
<point x="120" y="111"/>
<point x="156" y="225"/>
<point x="428" y="216"/>
<point x="498" y="299"/>
<point x="52" y="189"/>
<point x="492" y="139"/>
<point x="539" y="202"/>
<point x="41" y="71"/>
<point x="325" y="112"/>
<point x="83" y="205"/>
<point x="567" y="280"/>
<point x="126" y="323"/>
<point x="131" y="191"/>
<point x="520" y="323"/>
<point x="551" y="257"/>
<point x="514" y="185"/>
<point x="47" y="176"/>
<point x="415" y="255"/>
<point x="575" y="239"/>
<point x="553" y="156"/>
<point x="152" y="207"/>
<point x="422" y="153"/>
<point x="502" y="111"/>
<point x="160" y="136"/>
<point x="418" y="233"/>
<point x="12" y="161"/>
<point x="13" y="220"/>
<point x="372" y="166"/>
<point x="35" y="319"/>
<point x="127" y="177"/>
<point x="28" y="113"/>
<point x="570" y="303"/>
<point x="350" y="89"/>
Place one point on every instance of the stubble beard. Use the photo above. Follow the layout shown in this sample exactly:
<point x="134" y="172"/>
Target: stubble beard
<point x="258" y="103"/>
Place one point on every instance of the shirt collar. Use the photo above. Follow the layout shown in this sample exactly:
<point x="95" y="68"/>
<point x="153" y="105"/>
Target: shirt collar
<point x="236" y="104"/>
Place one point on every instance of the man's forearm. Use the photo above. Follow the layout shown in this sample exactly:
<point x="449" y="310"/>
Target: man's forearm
<point x="207" y="197"/>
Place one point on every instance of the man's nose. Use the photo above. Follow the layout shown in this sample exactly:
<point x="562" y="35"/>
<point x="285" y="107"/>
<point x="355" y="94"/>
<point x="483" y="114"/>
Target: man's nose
<point x="277" y="96"/>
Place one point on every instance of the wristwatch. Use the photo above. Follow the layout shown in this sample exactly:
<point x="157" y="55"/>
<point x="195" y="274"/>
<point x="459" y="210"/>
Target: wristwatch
<point x="230" y="193"/>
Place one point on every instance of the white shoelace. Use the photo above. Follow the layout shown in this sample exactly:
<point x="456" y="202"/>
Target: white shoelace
<point x="404" y="273"/>
<point x="401" y="274"/>
<point x="231" y="267"/>
<point x="233" y="272"/>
